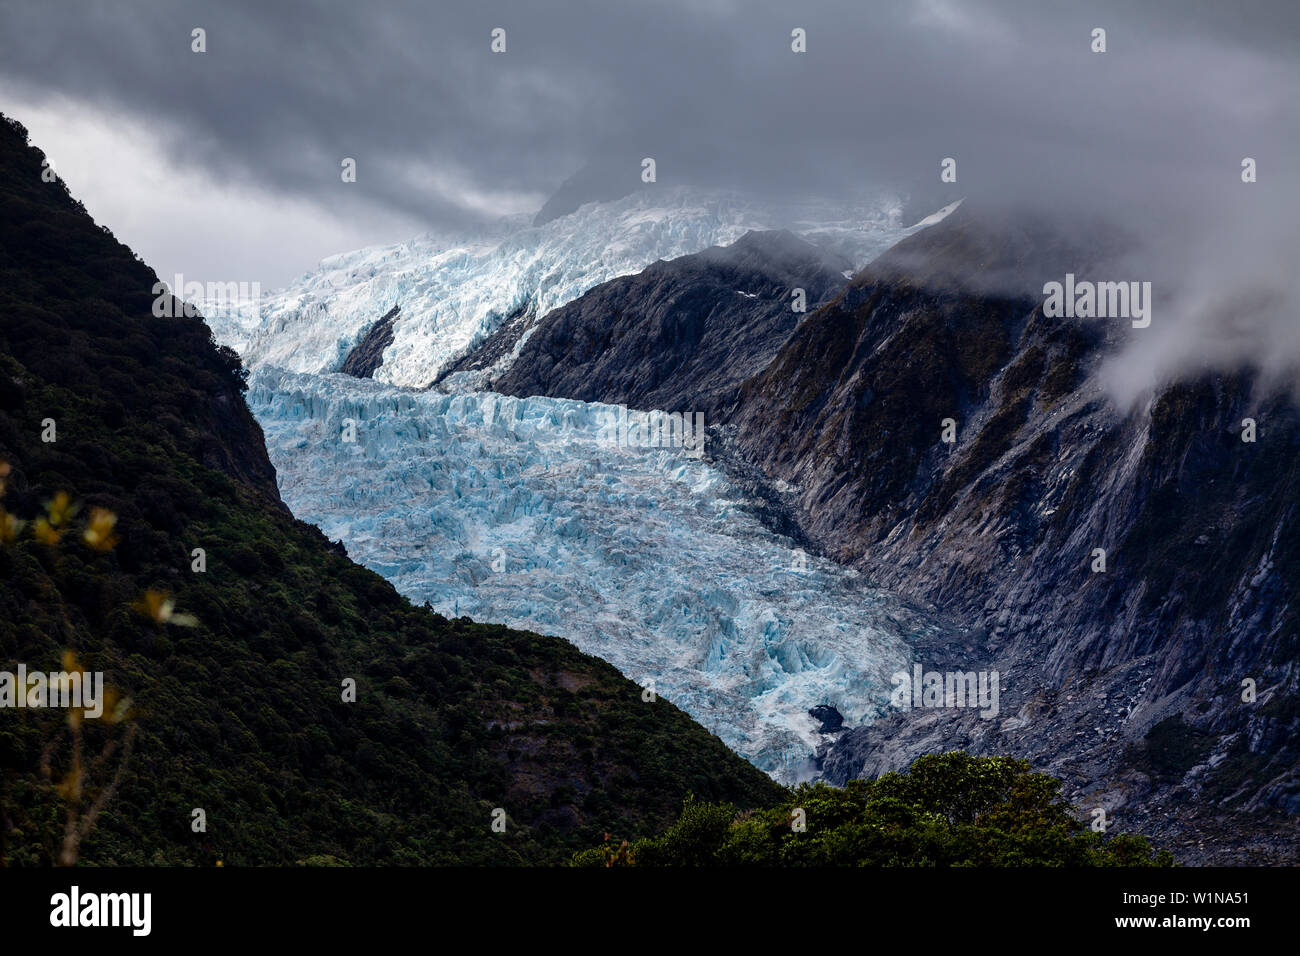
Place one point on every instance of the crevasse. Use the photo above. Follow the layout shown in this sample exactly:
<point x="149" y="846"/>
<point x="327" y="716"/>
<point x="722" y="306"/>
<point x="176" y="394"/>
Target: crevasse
<point x="524" y="512"/>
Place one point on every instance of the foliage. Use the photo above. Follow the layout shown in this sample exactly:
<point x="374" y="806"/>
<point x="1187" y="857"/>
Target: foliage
<point x="946" y="810"/>
<point x="236" y="671"/>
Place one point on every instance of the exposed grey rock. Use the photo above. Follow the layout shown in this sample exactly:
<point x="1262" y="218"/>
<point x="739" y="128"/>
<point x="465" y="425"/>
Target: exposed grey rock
<point x="998" y="530"/>
<point x="680" y="335"/>
<point x="368" y="354"/>
<point x="831" y="720"/>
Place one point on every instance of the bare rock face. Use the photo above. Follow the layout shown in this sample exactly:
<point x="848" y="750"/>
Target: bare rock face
<point x="369" y="352"/>
<point x="682" y="334"/>
<point x="831" y="720"/>
<point x="1128" y="574"/>
<point x="1002" y="528"/>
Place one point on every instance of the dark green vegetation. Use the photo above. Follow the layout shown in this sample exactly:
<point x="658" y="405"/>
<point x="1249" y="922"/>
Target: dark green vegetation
<point x="241" y="715"/>
<point x="948" y="810"/>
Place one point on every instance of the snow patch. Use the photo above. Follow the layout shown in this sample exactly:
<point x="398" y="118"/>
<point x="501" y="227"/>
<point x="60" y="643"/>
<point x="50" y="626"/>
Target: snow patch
<point x="454" y="292"/>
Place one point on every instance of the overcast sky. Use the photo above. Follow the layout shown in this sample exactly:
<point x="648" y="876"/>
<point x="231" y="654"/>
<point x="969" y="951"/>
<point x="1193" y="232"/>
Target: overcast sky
<point x="225" y="165"/>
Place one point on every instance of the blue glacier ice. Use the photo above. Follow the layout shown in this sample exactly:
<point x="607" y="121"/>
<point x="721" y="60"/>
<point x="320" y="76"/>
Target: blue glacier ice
<point x="524" y="512"/>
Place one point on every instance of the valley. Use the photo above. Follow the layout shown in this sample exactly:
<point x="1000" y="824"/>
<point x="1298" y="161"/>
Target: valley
<point x="824" y="437"/>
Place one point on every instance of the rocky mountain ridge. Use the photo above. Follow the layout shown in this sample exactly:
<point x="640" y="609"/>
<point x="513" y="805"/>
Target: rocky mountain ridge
<point x="1104" y="672"/>
<point x="1125" y="675"/>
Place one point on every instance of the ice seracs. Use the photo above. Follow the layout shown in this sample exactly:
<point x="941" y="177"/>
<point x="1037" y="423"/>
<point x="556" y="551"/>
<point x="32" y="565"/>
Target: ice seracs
<point x="526" y="512"/>
<point x="454" y="292"/>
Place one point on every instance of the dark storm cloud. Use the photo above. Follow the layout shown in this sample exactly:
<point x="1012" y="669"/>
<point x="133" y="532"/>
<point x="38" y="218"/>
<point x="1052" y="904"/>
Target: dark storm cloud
<point x="711" y="89"/>
<point x="1152" y="132"/>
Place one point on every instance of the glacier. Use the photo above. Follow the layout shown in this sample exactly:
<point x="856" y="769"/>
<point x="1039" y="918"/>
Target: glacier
<point x="524" y="512"/>
<point x="454" y="291"/>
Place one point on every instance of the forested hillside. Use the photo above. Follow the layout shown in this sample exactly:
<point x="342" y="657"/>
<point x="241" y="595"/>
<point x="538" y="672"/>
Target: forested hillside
<point x="232" y="678"/>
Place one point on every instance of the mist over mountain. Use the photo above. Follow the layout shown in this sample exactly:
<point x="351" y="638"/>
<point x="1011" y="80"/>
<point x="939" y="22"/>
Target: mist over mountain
<point x="1129" y="569"/>
<point x="595" y="182"/>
